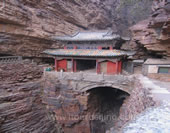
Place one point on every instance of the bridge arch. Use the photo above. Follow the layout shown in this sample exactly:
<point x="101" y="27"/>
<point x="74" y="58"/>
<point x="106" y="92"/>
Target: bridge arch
<point x="115" y="87"/>
<point x="105" y="101"/>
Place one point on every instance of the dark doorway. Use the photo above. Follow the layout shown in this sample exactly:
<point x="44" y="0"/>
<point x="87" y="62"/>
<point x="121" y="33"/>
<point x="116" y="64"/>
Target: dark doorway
<point x="105" y="48"/>
<point x="86" y="65"/>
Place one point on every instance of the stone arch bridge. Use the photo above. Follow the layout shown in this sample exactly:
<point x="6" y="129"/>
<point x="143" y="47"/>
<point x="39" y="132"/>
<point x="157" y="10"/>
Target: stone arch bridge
<point x="83" y="82"/>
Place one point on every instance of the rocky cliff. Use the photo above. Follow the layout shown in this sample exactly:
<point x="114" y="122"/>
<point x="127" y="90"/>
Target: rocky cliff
<point x="21" y="107"/>
<point x="151" y="37"/>
<point x="26" y="26"/>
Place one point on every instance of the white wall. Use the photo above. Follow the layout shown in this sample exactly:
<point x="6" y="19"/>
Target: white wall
<point x="154" y="68"/>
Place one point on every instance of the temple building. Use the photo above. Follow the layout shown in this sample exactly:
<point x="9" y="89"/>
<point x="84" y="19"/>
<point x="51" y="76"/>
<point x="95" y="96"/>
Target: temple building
<point x="157" y="68"/>
<point x="90" y="52"/>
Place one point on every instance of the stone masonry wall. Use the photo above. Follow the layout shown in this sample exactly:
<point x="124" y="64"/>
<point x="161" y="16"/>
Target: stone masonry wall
<point x="162" y="77"/>
<point x="137" y="102"/>
<point x="67" y="106"/>
<point x="74" y="109"/>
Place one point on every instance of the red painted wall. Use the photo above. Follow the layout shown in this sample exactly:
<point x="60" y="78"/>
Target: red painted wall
<point x="111" y="67"/>
<point x="62" y="64"/>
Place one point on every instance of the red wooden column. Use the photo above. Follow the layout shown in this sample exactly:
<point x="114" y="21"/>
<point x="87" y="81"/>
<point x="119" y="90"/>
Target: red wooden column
<point x="117" y="67"/>
<point x="56" y="64"/>
<point x="75" y="66"/>
<point x="120" y="67"/>
<point x="72" y="68"/>
<point x="65" y="47"/>
<point x="100" y="47"/>
<point x="75" y="47"/>
<point x="74" y="62"/>
<point x="111" y="48"/>
<point x="97" y="67"/>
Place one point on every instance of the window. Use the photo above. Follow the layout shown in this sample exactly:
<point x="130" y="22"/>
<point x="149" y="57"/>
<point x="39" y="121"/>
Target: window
<point x="164" y="70"/>
<point x="69" y="42"/>
<point x="105" y="48"/>
<point x="70" y="47"/>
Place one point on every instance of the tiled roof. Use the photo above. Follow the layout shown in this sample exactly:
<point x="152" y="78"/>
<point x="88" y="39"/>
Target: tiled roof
<point x="91" y="36"/>
<point x="157" y="62"/>
<point x="86" y="52"/>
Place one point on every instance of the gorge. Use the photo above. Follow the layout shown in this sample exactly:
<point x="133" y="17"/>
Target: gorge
<point x="35" y="101"/>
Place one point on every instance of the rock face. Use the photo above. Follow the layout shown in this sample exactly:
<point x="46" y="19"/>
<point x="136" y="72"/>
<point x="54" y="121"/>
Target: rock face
<point x="152" y="34"/>
<point x="26" y="27"/>
<point x="19" y="73"/>
<point x="21" y="108"/>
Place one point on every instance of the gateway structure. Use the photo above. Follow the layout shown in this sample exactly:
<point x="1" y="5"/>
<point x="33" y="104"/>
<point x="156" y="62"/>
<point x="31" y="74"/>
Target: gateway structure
<point x="90" y="52"/>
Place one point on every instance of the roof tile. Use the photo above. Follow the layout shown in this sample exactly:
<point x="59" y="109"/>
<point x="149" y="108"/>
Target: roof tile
<point x="86" y="52"/>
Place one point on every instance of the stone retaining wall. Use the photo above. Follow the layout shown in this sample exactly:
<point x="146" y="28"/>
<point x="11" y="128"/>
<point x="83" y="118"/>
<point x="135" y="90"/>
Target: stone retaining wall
<point x="137" y="102"/>
<point x="162" y="77"/>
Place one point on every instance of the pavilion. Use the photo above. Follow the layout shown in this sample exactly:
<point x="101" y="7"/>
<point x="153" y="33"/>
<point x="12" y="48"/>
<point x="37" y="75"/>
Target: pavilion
<point x="90" y="52"/>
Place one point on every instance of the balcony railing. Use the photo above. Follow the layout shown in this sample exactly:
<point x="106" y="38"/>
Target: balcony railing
<point x="90" y="77"/>
<point x="10" y="59"/>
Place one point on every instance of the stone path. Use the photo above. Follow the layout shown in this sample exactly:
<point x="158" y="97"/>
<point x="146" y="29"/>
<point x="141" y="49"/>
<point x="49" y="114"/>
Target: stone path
<point x="159" y="90"/>
<point x="153" y="120"/>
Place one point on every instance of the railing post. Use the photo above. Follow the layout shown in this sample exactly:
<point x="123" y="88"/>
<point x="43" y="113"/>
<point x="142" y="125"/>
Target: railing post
<point x="81" y="76"/>
<point x="44" y="72"/>
<point x="102" y="76"/>
<point x="61" y="74"/>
